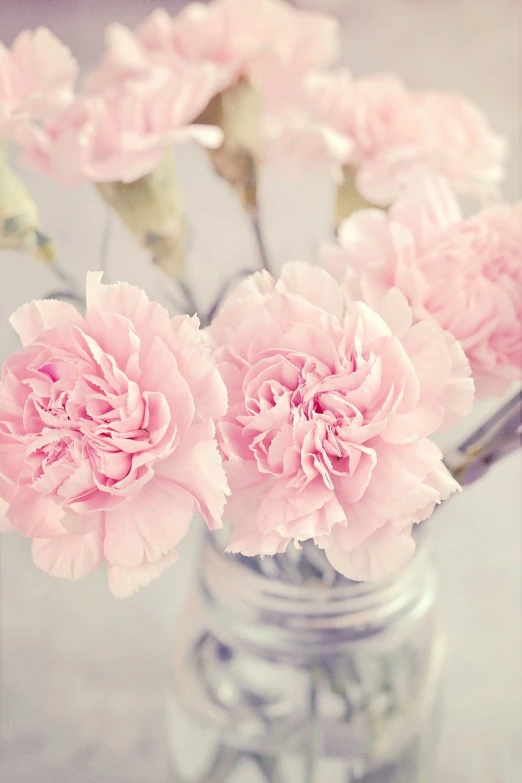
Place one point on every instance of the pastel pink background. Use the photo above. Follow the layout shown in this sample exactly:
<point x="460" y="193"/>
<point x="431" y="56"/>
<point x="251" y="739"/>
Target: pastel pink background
<point x="83" y="676"/>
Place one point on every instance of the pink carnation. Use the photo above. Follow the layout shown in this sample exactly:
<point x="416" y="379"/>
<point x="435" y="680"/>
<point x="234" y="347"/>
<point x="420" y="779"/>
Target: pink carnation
<point x="36" y="78"/>
<point x="107" y="438"/>
<point x="330" y="406"/>
<point x="400" y="136"/>
<point x="122" y="134"/>
<point x="265" y="40"/>
<point x="464" y="274"/>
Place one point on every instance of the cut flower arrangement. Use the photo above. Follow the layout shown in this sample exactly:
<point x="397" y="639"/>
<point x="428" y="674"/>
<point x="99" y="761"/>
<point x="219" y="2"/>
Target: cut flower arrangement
<point x="299" y="410"/>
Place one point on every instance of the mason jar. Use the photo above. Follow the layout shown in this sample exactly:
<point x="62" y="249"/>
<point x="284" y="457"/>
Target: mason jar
<point x="304" y="680"/>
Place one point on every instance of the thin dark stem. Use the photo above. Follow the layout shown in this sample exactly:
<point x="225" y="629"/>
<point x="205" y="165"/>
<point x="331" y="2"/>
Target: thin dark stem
<point x="269" y="767"/>
<point x="71" y="291"/>
<point x="495" y="439"/>
<point x="174" y="294"/>
<point x="314" y="749"/>
<point x="289" y="569"/>
<point x="265" y="264"/>
<point x="260" y="242"/>
<point x="190" y="301"/>
<point x="62" y="275"/>
<point x="223" y="292"/>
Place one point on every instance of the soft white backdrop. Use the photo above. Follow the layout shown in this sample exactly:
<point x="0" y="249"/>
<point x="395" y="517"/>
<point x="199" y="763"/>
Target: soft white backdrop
<point x="83" y="676"/>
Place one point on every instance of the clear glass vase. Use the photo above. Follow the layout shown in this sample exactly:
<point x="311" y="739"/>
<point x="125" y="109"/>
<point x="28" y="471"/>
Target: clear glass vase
<point x="304" y="682"/>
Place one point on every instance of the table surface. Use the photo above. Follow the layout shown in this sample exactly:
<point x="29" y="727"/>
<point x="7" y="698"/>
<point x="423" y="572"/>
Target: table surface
<point x="84" y="676"/>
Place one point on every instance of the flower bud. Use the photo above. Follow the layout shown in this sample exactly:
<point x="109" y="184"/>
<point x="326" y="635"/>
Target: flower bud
<point x="20" y="222"/>
<point x="151" y="208"/>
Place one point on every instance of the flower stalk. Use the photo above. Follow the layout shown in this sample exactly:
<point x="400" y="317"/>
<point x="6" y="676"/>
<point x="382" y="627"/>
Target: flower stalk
<point x="499" y="436"/>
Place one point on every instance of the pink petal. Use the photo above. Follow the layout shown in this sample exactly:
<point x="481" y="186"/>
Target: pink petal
<point x="369" y="245"/>
<point x="399" y="469"/>
<point x="349" y="536"/>
<point x="12" y="457"/>
<point x="196" y="466"/>
<point x="32" y="515"/>
<point x="131" y="55"/>
<point x="33" y="319"/>
<point x="193" y="353"/>
<point x="149" y="318"/>
<point x="412" y="506"/>
<point x="314" y="284"/>
<point x="247" y="493"/>
<point x="425" y="419"/>
<point x="350" y="489"/>
<point x="371" y="248"/>
<point x="124" y="582"/>
<point x="246" y="489"/>
<point x="334" y="259"/>
<point x="396" y="312"/>
<point x="159" y="372"/>
<point x="82" y="523"/>
<point x="426" y="347"/>
<point x="398" y="372"/>
<point x="458" y="397"/>
<point x="380" y="556"/>
<point x="299" y="513"/>
<point x="149" y="525"/>
<point x="374" y="327"/>
<point x="250" y="542"/>
<point x="115" y="335"/>
<point x="427" y="209"/>
<point x="69" y="556"/>
<point x="44" y="57"/>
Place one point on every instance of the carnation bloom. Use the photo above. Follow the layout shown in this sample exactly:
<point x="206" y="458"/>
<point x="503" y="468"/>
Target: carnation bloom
<point x="36" y="78"/>
<point x="122" y="134"/>
<point x="463" y="274"/>
<point x="260" y="44"/>
<point x="107" y="436"/>
<point x="330" y="406"/>
<point x="400" y="136"/>
<point x="264" y="40"/>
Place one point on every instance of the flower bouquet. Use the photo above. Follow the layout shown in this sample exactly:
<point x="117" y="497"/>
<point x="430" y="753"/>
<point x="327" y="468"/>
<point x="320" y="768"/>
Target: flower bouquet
<point x="299" y="414"/>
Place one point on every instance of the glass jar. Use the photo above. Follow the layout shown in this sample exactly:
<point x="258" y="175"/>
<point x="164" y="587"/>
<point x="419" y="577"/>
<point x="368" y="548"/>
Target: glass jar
<point x="304" y="683"/>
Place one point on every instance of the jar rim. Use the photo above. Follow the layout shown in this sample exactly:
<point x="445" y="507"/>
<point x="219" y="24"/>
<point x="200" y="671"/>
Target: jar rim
<point x="226" y="578"/>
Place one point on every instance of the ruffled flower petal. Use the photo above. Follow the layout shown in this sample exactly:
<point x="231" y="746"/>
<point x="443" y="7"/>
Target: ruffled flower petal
<point x="31" y="320"/>
<point x="69" y="556"/>
<point x="151" y="526"/>
<point x="125" y="582"/>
